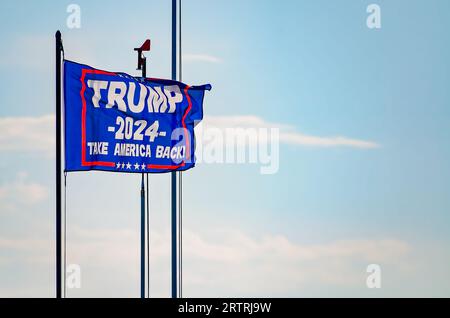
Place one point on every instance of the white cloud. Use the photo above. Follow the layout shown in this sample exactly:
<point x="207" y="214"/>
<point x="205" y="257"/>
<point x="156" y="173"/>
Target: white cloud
<point x="295" y="138"/>
<point x="37" y="133"/>
<point x="288" y="134"/>
<point x="223" y="263"/>
<point x="201" y="58"/>
<point x="27" y="134"/>
<point x="235" y="263"/>
<point x="21" y="192"/>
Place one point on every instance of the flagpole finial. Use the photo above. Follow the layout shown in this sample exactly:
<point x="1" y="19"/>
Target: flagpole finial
<point x="145" y="47"/>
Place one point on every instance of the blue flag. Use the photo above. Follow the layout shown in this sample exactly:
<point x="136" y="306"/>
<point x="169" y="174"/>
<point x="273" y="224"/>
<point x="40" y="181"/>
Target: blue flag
<point x="117" y="122"/>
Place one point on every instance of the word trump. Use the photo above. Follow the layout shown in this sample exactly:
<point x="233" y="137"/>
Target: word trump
<point x="162" y="99"/>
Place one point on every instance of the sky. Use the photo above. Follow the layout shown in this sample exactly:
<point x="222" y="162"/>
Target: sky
<point x="363" y="174"/>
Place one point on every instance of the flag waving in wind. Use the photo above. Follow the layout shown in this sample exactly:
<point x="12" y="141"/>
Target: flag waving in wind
<point x="117" y="122"/>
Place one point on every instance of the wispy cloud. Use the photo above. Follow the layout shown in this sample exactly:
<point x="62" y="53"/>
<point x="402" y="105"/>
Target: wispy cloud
<point x="201" y="58"/>
<point x="27" y="134"/>
<point x="20" y="192"/>
<point x="296" y="138"/>
<point x="288" y="134"/>
<point x="275" y="265"/>
<point x="37" y="133"/>
<point x="223" y="263"/>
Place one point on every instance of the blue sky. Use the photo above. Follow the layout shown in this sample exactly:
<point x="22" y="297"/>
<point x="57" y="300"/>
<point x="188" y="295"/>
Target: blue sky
<point x="309" y="230"/>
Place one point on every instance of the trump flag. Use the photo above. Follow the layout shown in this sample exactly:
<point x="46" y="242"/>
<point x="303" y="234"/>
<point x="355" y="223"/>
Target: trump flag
<point x="118" y="122"/>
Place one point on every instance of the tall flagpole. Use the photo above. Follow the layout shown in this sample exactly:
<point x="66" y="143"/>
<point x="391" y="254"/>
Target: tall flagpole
<point x="144" y="75"/>
<point x="173" y="173"/>
<point x="142" y="238"/>
<point x="58" y="49"/>
<point x="142" y="65"/>
<point x="180" y="177"/>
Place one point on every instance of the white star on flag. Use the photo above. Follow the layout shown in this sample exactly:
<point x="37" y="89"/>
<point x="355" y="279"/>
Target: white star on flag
<point x="118" y="165"/>
<point x="128" y="165"/>
<point x="143" y="166"/>
<point x="136" y="166"/>
<point x="123" y="165"/>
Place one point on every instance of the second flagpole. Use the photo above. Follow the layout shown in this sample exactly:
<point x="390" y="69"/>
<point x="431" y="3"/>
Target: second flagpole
<point x="173" y="173"/>
<point x="142" y="65"/>
<point x="144" y="74"/>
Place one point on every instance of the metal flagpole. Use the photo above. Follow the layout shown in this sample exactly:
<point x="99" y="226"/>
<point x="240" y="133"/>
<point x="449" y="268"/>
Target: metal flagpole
<point x="142" y="65"/>
<point x="58" y="49"/>
<point x="147" y="216"/>
<point x="173" y="173"/>
<point x="142" y="238"/>
<point x="144" y="74"/>
<point x="148" y="238"/>
<point x="180" y="177"/>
